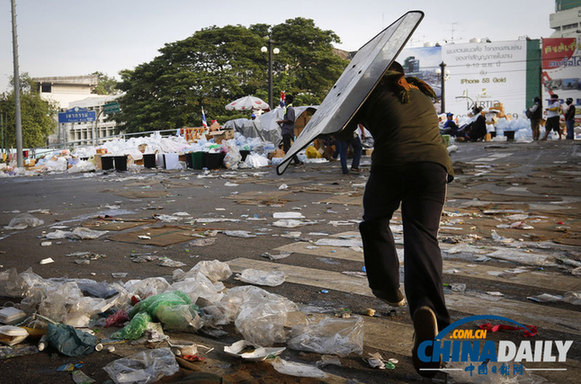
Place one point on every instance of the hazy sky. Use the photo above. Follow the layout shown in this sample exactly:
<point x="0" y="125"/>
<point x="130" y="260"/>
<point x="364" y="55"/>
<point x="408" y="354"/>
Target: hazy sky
<point x="78" y="37"/>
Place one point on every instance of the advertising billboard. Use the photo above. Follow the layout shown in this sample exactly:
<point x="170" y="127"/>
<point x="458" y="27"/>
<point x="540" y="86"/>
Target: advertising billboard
<point x="486" y="73"/>
<point x="561" y="69"/>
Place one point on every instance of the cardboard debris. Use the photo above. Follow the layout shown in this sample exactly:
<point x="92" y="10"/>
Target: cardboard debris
<point x="115" y="223"/>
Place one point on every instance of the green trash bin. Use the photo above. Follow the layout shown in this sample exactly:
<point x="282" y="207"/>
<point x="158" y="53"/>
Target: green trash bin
<point x="446" y="139"/>
<point x="197" y="158"/>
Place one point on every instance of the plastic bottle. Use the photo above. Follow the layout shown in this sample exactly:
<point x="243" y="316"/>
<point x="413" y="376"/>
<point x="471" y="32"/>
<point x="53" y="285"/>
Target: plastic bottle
<point x="43" y="343"/>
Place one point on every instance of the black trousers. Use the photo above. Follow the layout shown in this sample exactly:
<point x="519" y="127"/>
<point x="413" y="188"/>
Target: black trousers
<point x="286" y="144"/>
<point x="421" y="190"/>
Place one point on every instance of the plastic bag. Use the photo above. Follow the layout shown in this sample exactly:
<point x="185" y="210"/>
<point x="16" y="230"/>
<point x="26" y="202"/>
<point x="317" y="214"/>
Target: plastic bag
<point x="70" y="341"/>
<point x="262" y="315"/>
<point x="297" y="369"/>
<point x="258" y="277"/>
<point x="183" y="318"/>
<point x="23" y="221"/>
<point x="143" y="367"/>
<point x="200" y="286"/>
<point x="312" y="153"/>
<point x="153" y="303"/>
<point x="100" y="290"/>
<point x="147" y="287"/>
<point x="134" y="329"/>
<point x="12" y="284"/>
<point x="213" y="269"/>
<point x="329" y="336"/>
<point x="232" y="158"/>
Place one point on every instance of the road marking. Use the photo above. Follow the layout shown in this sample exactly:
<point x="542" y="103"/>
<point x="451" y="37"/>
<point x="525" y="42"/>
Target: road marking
<point x="547" y="280"/>
<point x="556" y="319"/>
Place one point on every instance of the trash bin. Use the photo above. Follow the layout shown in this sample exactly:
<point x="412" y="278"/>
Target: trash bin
<point x="120" y="163"/>
<point x="244" y="153"/>
<point x="149" y="160"/>
<point x="213" y="160"/>
<point x="197" y="160"/>
<point x="509" y="135"/>
<point x="445" y="137"/>
<point x="106" y="163"/>
<point x="189" y="160"/>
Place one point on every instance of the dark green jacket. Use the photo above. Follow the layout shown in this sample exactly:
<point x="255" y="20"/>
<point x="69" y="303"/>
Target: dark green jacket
<point x="402" y="133"/>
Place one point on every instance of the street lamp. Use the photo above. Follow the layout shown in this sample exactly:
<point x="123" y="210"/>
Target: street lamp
<point x="444" y="75"/>
<point x="270" y="51"/>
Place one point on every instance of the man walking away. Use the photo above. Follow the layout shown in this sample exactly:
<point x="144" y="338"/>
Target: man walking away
<point x="570" y="119"/>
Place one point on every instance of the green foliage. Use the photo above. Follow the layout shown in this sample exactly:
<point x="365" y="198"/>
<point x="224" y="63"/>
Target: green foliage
<point x="219" y="64"/>
<point x="38" y="116"/>
<point x="106" y="85"/>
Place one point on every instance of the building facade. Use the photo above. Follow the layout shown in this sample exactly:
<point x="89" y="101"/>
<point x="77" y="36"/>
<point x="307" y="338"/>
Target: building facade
<point x="566" y="21"/>
<point x="76" y="91"/>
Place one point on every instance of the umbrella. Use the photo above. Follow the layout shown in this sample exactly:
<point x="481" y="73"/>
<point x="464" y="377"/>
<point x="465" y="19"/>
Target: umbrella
<point x="247" y="103"/>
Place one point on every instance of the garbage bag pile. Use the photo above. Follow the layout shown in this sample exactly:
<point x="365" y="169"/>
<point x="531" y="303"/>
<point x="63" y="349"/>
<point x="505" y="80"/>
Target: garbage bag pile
<point x="83" y="159"/>
<point x="66" y="311"/>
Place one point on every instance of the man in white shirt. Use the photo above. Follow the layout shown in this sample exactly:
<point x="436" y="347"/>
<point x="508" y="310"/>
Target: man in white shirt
<point x="553" y="114"/>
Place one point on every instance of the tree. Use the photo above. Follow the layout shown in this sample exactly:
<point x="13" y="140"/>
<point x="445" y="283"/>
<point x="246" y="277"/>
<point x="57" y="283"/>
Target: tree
<point x="38" y="116"/>
<point x="219" y="64"/>
<point x="105" y="85"/>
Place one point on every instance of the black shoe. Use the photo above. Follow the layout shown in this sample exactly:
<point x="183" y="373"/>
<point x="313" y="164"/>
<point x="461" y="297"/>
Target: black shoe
<point x="394" y="299"/>
<point x="345" y="171"/>
<point x="425" y="328"/>
<point x="356" y="170"/>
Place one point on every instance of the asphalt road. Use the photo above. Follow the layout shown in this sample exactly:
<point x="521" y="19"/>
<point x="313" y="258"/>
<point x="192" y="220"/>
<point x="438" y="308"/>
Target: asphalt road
<point x="539" y="181"/>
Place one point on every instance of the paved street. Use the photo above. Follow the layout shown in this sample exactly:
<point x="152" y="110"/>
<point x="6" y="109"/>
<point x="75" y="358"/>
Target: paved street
<point x="510" y="232"/>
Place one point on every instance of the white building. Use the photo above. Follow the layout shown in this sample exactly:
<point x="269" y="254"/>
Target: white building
<point x="75" y="91"/>
<point x="566" y="21"/>
<point x="82" y="133"/>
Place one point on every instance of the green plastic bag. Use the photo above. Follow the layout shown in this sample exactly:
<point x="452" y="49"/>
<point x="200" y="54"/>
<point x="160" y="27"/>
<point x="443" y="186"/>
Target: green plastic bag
<point x="135" y="328"/>
<point x="153" y="303"/>
<point x="70" y="341"/>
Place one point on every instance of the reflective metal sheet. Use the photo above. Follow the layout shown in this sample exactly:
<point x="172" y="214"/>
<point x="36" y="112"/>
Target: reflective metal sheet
<point x="356" y="83"/>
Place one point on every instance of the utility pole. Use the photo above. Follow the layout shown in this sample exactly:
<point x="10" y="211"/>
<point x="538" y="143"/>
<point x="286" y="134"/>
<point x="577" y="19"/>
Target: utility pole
<point x="443" y="87"/>
<point x="17" y="115"/>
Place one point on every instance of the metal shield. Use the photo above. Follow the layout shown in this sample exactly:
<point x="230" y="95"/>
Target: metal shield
<point x="356" y="83"/>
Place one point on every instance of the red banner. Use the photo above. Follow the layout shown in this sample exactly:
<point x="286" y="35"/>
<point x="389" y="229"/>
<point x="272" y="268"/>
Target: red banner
<point x="557" y="52"/>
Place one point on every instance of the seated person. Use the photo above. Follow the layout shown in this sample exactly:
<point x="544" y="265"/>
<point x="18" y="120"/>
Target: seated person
<point x="476" y="130"/>
<point x="450" y="126"/>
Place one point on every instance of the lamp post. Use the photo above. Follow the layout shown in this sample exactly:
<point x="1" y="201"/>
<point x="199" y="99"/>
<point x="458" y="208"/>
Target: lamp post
<point x="444" y="74"/>
<point x="270" y="51"/>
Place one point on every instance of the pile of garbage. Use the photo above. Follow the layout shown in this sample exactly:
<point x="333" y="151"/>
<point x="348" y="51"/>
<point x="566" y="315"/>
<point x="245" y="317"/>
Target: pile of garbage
<point x="63" y="314"/>
<point x="83" y="159"/>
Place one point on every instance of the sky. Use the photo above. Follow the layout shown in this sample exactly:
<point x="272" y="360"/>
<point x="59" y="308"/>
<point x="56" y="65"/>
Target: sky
<point x="79" y="37"/>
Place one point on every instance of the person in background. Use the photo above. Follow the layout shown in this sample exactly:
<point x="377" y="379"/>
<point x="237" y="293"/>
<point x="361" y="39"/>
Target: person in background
<point x="570" y="119"/>
<point x="553" y="115"/>
<point x="535" y="114"/>
<point x="287" y="126"/>
<point x="476" y="130"/>
<point x="450" y="126"/>
<point x="343" y="145"/>
<point x="410" y="166"/>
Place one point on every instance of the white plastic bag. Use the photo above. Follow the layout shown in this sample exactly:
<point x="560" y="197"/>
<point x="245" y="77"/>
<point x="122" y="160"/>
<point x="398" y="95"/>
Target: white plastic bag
<point x="214" y="270"/>
<point x="262" y="315"/>
<point x="331" y="335"/>
<point x="143" y="367"/>
<point x="23" y="221"/>
<point x="258" y="277"/>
